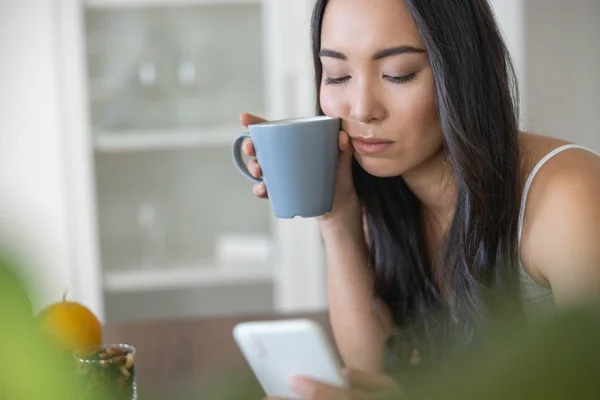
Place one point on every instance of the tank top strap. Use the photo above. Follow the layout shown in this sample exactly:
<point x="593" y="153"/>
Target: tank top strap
<point x="534" y="172"/>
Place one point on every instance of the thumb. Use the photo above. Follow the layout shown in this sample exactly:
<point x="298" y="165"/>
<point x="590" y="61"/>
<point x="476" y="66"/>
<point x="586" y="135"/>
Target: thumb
<point x="312" y="389"/>
<point x="346" y="150"/>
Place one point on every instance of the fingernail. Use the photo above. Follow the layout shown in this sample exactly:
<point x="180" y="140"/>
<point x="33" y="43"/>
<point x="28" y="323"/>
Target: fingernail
<point x="297" y="384"/>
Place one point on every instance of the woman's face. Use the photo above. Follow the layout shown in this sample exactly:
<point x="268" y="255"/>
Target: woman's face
<point x="378" y="80"/>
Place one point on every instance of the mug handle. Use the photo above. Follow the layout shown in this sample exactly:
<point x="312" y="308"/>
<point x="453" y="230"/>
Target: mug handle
<point x="237" y="157"/>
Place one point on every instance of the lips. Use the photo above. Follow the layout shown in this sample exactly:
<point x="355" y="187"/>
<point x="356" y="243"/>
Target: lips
<point x="370" y="145"/>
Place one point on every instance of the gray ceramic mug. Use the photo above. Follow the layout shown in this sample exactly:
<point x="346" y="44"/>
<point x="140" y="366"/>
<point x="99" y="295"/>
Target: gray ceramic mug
<point x="298" y="158"/>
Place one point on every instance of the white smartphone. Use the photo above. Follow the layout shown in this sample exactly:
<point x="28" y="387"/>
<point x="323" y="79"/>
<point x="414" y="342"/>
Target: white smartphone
<point x="279" y="349"/>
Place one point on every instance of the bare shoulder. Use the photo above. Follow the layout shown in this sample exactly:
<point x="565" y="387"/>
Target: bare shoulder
<point x="560" y="244"/>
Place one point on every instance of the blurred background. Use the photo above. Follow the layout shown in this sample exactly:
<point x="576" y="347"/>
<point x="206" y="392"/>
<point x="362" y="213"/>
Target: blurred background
<point x="116" y="120"/>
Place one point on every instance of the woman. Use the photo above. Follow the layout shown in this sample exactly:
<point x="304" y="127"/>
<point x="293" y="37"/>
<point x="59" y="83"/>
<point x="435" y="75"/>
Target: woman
<point x="429" y="216"/>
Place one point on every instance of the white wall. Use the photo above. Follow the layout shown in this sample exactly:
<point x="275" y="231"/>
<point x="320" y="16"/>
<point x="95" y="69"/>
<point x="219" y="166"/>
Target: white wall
<point x="562" y="47"/>
<point x="32" y="175"/>
<point x="510" y="16"/>
<point x="554" y="44"/>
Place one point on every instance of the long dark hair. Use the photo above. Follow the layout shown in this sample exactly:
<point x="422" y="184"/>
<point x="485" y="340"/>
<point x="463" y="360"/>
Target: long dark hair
<point x="477" y="100"/>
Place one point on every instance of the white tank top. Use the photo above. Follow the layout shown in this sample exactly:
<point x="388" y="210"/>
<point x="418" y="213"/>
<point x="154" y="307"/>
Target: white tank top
<point x="537" y="298"/>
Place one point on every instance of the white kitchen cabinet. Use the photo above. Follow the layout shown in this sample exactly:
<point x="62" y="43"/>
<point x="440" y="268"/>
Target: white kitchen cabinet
<point x="161" y="222"/>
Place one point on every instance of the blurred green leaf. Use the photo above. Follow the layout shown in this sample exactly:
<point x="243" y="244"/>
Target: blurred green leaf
<point x="31" y="368"/>
<point x="558" y="358"/>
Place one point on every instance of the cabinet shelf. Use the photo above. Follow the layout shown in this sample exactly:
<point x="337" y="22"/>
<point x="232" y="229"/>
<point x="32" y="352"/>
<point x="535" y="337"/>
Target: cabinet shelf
<point x="99" y="4"/>
<point x="112" y="142"/>
<point x="136" y="280"/>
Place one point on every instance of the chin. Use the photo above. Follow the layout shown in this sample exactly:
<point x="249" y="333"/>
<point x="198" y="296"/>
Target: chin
<point x="380" y="167"/>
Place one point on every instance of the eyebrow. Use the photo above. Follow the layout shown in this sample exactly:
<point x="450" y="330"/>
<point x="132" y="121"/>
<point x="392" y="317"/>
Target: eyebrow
<point x="379" y="55"/>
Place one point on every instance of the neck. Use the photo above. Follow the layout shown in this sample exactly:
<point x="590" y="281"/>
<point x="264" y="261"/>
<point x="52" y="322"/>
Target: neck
<point x="434" y="184"/>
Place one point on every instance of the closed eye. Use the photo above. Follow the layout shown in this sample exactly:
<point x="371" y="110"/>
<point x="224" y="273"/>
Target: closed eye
<point x="336" y="81"/>
<point x="399" y="79"/>
<point x="392" y="79"/>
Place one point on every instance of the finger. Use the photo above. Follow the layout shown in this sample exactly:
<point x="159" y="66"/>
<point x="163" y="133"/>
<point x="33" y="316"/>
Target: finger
<point x="260" y="190"/>
<point x="249" y="119"/>
<point x="254" y="168"/>
<point x="248" y="148"/>
<point x="344" y="141"/>
<point x="347" y="151"/>
<point x="368" y="381"/>
<point x="313" y="390"/>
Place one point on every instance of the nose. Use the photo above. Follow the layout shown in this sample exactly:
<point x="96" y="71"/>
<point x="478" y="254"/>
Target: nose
<point x="366" y="106"/>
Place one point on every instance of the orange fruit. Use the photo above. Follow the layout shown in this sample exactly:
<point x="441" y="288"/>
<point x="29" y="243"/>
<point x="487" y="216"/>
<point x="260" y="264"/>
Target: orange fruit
<point x="70" y="325"/>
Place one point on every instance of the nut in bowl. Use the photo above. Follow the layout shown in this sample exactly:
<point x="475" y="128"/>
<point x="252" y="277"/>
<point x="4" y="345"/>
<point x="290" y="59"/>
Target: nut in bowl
<point x="106" y="372"/>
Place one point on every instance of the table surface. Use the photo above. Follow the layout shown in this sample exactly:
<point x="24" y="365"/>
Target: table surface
<point x="193" y="358"/>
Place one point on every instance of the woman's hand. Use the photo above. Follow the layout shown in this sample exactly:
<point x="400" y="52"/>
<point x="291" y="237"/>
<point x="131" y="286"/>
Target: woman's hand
<point x="345" y="195"/>
<point x="258" y="189"/>
<point x="345" y="200"/>
<point x="363" y="386"/>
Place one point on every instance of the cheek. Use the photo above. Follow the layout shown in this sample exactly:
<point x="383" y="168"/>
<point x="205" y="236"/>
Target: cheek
<point x="418" y="110"/>
<point x="428" y="103"/>
<point x="332" y="104"/>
